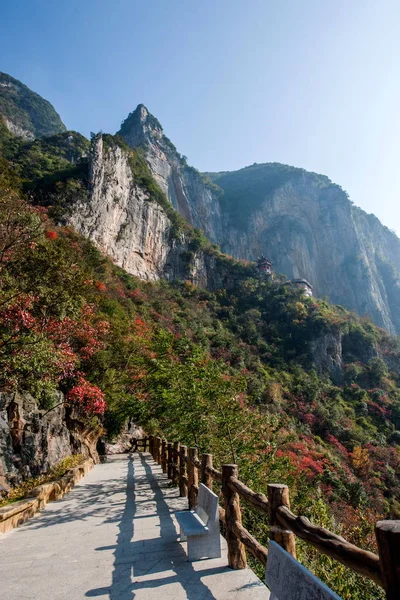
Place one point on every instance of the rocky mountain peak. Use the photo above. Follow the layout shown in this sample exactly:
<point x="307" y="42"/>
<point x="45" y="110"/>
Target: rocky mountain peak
<point x="305" y="223"/>
<point x="141" y="128"/>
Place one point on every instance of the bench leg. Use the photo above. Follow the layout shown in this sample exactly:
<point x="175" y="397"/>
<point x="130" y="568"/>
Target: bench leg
<point x="203" y="546"/>
<point x="182" y="536"/>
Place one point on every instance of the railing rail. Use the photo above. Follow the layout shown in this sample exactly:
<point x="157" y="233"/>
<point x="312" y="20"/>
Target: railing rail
<point x="185" y="469"/>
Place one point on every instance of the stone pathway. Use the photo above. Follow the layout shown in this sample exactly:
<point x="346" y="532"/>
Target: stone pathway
<point x="115" y="537"/>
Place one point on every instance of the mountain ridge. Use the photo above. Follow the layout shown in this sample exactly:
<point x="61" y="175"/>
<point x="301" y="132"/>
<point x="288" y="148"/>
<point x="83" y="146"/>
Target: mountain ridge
<point x="306" y="224"/>
<point x="303" y="221"/>
<point x="25" y="113"/>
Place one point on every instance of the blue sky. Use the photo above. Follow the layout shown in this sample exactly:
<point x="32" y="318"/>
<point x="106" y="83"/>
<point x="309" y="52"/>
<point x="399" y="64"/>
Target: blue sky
<point x="311" y="83"/>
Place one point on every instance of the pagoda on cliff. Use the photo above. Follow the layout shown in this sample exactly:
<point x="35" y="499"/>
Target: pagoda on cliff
<point x="264" y="266"/>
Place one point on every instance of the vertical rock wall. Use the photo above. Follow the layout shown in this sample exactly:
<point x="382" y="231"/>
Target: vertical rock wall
<point x="32" y="440"/>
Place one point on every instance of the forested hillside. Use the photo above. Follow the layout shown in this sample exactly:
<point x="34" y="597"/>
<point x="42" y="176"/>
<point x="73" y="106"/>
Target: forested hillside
<point x="25" y="113"/>
<point x="293" y="389"/>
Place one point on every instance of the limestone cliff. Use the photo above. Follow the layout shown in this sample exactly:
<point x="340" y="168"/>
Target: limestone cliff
<point x="189" y="192"/>
<point x="306" y="224"/>
<point x="139" y="234"/>
<point x="310" y="229"/>
<point x="119" y="217"/>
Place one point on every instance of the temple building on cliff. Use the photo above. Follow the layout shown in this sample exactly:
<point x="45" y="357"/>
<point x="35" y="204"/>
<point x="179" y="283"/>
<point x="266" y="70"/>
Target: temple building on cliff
<point x="264" y="267"/>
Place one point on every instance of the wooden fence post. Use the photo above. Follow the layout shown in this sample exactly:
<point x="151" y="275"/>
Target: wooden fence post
<point x="278" y="495"/>
<point x="170" y="460"/>
<point x="183" y="480"/>
<point x="164" y="456"/>
<point x="236" y="550"/>
<point x="145" y="443"/>
<point x="175" y="468"/>
<point x="388" y="538"/>
<point x="155" y="449"/>
<point x="154" y="453"/>
<point x="158" y="450"/>
<point x="151" y="444"/>
<point x="206" y="461"/>
<point x="193" y="476"/>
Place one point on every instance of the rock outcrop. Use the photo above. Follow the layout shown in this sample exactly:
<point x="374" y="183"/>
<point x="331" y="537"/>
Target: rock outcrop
<point x="32" y="440"/>
<point x="306" y="224"/>
<point x="126" y="223"/>
<point x="191" y="194"/>
<point x="119" y="217"/>
<point x="327" y="354"/>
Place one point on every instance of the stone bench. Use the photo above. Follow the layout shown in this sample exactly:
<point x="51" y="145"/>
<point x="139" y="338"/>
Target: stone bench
<point x="287" y="579"/>
<point x="200" y="527"/>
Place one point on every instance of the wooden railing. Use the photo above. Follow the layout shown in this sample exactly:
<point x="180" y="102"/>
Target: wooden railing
<point x="184" y="468"/>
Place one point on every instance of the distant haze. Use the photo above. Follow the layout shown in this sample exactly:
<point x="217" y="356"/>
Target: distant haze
<point x="308" y="83"/>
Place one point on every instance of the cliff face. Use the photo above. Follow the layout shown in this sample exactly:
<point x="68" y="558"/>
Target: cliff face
<point x="303" y="222"/>
<point x="310" y="229"/>
<point x="122" y="219"/>
<point x="189" y="192"/>
<point x="32" y="440"/>
<point x="119" y="218"/>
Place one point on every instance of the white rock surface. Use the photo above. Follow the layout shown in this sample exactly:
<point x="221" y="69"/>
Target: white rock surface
<point x="120" y="219"/>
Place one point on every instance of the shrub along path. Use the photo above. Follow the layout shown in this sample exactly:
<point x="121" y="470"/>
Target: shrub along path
<point x="115" y="536"/>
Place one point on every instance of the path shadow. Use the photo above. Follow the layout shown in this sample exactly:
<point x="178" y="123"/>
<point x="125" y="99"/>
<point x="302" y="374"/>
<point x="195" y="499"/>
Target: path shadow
<point x="161" y="559"/>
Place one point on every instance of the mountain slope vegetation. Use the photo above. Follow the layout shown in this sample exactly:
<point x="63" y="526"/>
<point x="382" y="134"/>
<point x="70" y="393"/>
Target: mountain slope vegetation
<point x="26" y="113"/>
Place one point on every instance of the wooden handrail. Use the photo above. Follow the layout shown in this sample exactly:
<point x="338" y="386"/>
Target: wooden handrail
<point x="183" y="466"/>
<point x="256" y="499"/>
<point x="195" y="462"/>
<point x="183" y="479"/>
<point x="254" y="547"/>
<point x="233" y="515"/>
<point x="193" y="476"/>
<point x="278" y="495"/>
<point x="388" y="538"/>
<point x="363" y="562"/>
<point x="217" y="475"/>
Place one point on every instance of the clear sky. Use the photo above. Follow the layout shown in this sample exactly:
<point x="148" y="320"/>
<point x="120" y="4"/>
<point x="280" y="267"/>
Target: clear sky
<point x="311" y="83"/>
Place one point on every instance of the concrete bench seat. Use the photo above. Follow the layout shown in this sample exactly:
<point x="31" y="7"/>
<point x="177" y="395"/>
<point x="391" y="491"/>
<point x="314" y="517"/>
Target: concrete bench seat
<point x="200" y="527"/>
<point x="191" y="523"/>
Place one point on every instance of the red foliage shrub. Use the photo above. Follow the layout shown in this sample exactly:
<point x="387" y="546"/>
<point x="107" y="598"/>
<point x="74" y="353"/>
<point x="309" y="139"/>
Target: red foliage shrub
<point x="335" y="442"/>
<point x="17" y="316"/>
<point x="87" y="397"/>
<point x="305" y="459"/>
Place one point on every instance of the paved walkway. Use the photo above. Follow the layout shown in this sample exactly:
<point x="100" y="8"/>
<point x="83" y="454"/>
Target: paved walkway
<point x="114" y="537"/>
